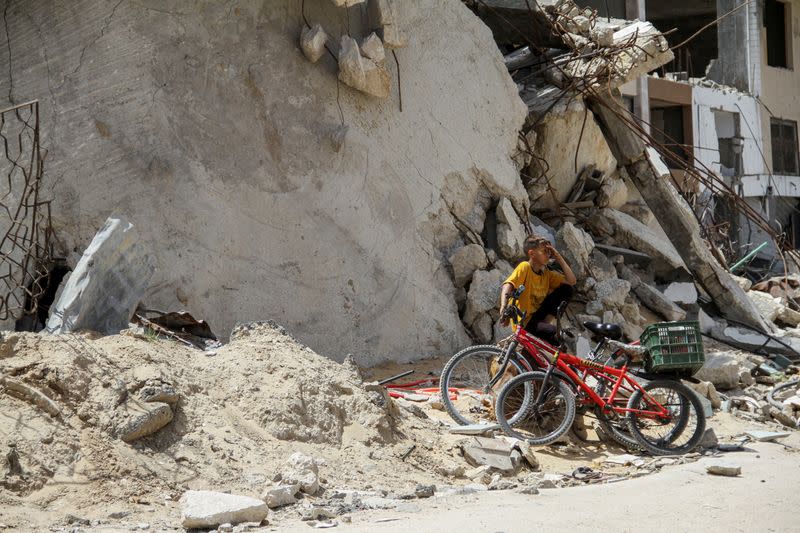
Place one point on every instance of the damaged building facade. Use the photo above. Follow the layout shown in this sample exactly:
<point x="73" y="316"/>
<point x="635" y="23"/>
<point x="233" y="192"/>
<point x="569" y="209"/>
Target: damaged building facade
<point x="729" y="102"/>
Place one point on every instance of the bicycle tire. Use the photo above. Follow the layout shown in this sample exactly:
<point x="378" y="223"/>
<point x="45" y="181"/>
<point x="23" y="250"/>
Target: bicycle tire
<point x="476" y="354"/>
<point x="558" y="404"/>
<point x="686" y="400"/>
<point x="617" y="429"/>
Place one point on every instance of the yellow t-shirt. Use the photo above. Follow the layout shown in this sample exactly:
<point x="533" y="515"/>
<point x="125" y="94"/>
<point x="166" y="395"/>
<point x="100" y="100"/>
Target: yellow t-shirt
<point x="537" y="285"/>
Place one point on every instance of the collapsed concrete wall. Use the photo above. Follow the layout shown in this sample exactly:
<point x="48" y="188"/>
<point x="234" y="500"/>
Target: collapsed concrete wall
<point x="266" y="188"/>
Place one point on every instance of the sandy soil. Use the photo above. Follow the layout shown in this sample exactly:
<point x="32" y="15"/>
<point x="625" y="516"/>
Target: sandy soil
<point x="240" y="413"/>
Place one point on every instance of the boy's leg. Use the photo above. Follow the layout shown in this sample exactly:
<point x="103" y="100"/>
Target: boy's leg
<point x="550" y="304"/>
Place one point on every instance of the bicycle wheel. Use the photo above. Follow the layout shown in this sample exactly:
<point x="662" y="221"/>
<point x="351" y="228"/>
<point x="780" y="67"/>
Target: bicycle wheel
<point x="470" y="371"/>
<point x="678" y="433"/>
<point x="612" y="424"/>
<point x="520" y="416"/>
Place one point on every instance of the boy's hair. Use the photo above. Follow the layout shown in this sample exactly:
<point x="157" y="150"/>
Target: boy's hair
<point x="534" y="241"/>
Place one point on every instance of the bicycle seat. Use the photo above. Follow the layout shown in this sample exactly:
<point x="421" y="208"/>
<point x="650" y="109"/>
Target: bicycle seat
<point x="612" y="331"/>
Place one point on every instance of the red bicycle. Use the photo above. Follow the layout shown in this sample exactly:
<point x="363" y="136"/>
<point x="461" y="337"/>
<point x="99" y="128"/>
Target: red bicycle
<point x="662" y="414"/>
<point x="472" y="378"/>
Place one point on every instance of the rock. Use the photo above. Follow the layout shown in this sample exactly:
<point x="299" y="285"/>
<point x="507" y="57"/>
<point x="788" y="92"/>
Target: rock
<point x="483" y="328"/>
<point x="208" y="509"/>
<point x="707" y="390"/>
<point x="109" y="281"/>
<point x="681" y="293"/>
<point x="362" y="73"/>
<point x="498" y="483"/>
<point x="372" y="47"/>
<point x="281" y="495"/>
<point x="465" y="261"/>
<point x="788" y="316"/>
<point x="494" y="453"/>
<point x="639" y="211"/>
<point x="159" y="392"/>
<point x="301" y="470"/>
<point x="612" y="292"/>
<point x="312" y="42"/>
<point x="483" y="295"/>
<point x="424" y="491"/>
<point x="768" y="306"/>
<point x="613" y="193"/>
<point x="631" y="233"/>
<point x="709" y="439"/>
<point x="318" y="513"/>
<point x="784" y="418"/>
<point x="528" y="454"/>
<point x="652" y="297"/>
<point x="411" y="408"/>
<point x="479" y="474"/>
<point x="744" y="283"/>
<point x="594" y="307"/>
<point x="575" y="245"/>
<point x="139" y="419"/>
<point x="227" y="527"/>
<point x="452" y="470"/>
<point x="510" y="233"/>
<point x="746" y="378"/>
<point x="529" y="490"/>
<point x="793" y="401"/>
<point x="601" y="267"/>
<point x="393" y="37"/>
<point x="724" y="469"/>
<point x="766" y="436"/>
<point x="720" y="368"/>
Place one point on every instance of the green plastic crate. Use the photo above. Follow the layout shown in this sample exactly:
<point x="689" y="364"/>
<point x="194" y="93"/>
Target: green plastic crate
<point x="674" y="347"/>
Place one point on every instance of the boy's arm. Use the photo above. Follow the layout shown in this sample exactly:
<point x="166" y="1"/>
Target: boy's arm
<point x="504" y="292"/>
<point x="569" y="275"/>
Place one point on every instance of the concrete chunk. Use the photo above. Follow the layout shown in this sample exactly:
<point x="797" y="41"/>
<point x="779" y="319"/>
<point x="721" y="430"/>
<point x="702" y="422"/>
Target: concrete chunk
<point x="140" y="419"/>
<point x="362" y="73"/>
<point x="312" y="42"/>
<point x="724" y="469"/>
<point x="465" y="261"/>
<point x="208" y="509"/>
<point x="106" y="285"/>
<point x="496" y="454"/>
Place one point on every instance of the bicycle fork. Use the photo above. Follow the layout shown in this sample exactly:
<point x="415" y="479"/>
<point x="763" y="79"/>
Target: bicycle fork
<point x="512" y="346"/>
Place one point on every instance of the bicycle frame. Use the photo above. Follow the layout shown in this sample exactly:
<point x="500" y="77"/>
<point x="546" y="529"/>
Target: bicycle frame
<point x="551" y="359"/>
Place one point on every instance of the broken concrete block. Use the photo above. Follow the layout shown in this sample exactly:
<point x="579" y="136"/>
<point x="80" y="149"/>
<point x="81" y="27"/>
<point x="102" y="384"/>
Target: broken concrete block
<point x="629" y="232"/>
<point x="658" y="303"/>
<point x="280" y="496"/>
<point x="612" y="292"/>
<point x="681" y="292"/>
<point x="360" y="72"/>
<point x="528" y="454"/>
<point x="465" y="261"/>
<point x="639" y="211"/>
<point x="613" y="193"/>
<point x="720" y="368"/>
<point x="393" y="37"/>
<point x="768" y="306"/>
<point x="474" y="429"/>
<point x="102" y="292"/>
<point x="784" y="418"/>
<point x="744" y="283"/>
<point x="766" y="436"/>
<point x="709" y="439"/>
<point x="483" y="295"/>
<point x="479" y="474"/>
<point x="140" y="419"/>
<point x="372" y="47"/>
<point x="724" y="469"/>
<point x="208" y="509"/>
<point x="575" y="245"/>
<point x="601" y="266"/>
<point x="788" y="316"/>
<point x="312" y="42"/>
<point x="301" y="470"/>
<point x="159" y="392"/>
<point x="510" y="232"/>
<point x="381" y="12"/>
<point x="493" y="453"/>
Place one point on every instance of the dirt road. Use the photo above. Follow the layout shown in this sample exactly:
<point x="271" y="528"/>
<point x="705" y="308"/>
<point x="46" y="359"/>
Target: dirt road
<point x="685" y="498"/>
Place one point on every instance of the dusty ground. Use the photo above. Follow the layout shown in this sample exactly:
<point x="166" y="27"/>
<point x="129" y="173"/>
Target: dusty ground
<point x="242" y="411"/>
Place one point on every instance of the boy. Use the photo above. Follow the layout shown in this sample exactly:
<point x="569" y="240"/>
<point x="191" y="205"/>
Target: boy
<point x="544" y="288"/>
